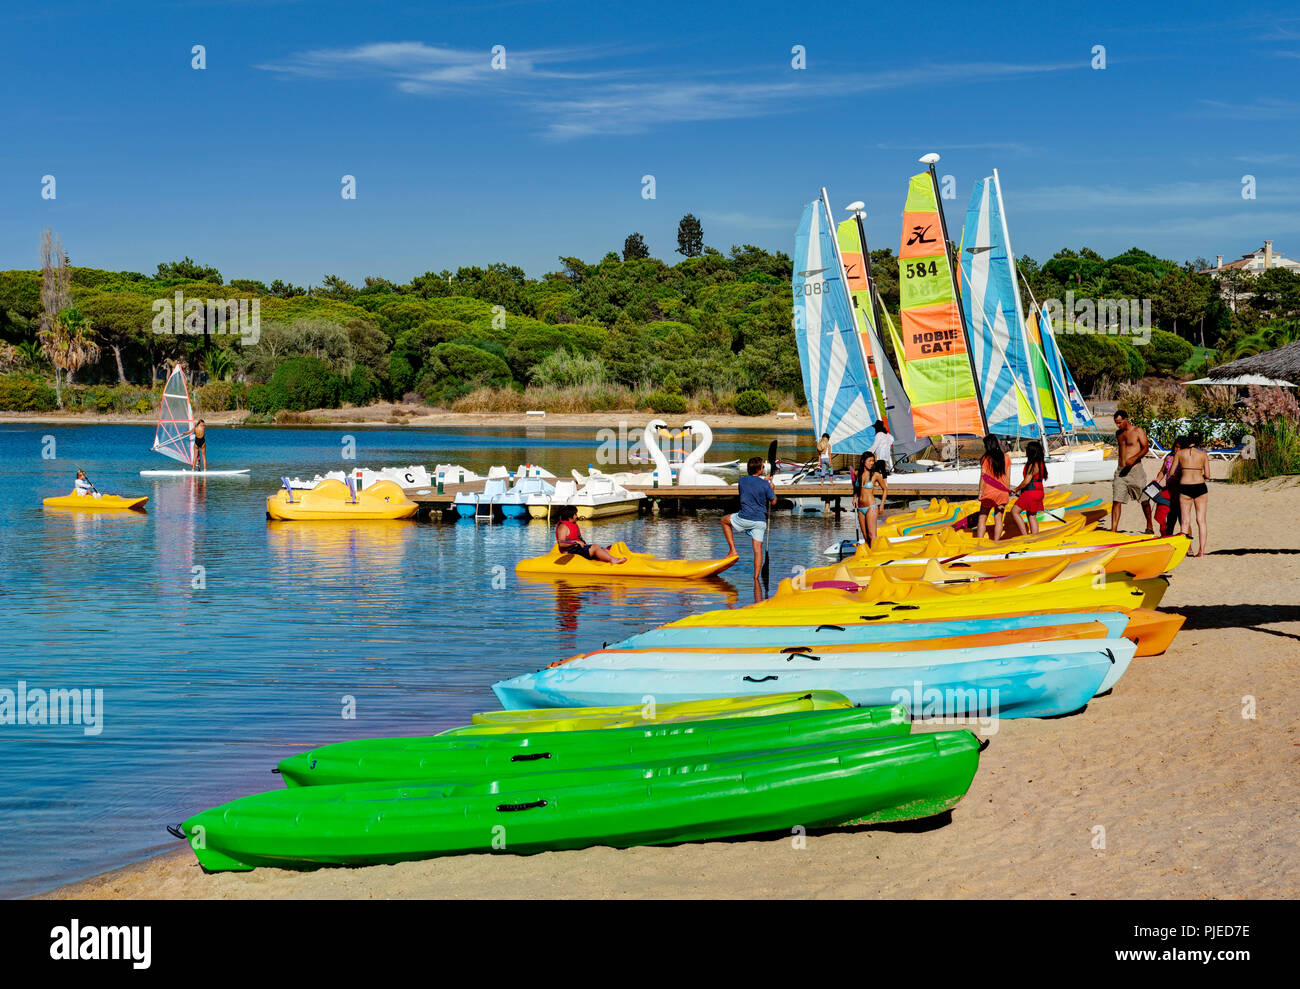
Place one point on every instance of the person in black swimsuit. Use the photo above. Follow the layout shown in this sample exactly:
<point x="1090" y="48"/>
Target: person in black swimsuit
<point x="1192" y="467"/>
<point x="200" y="444"/>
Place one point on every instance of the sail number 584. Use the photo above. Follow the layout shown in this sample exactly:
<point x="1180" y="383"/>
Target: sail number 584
<point x="919" y="269"/>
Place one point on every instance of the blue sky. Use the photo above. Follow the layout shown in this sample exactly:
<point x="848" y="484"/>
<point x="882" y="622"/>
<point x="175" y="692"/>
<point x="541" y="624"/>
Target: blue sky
<point x="239" y="165"/>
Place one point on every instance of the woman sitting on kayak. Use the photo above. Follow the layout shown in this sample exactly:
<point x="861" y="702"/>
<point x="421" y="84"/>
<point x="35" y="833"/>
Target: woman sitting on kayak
<point x="1030" y="493"/>
<point x="568" y="537"/>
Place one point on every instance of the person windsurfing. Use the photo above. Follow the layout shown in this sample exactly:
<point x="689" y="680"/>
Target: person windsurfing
<point x="200" y="444"/>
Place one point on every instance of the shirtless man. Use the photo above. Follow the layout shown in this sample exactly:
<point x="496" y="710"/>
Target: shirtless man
<point x="1192" y="468"/>
<point x="1130" y="478"/>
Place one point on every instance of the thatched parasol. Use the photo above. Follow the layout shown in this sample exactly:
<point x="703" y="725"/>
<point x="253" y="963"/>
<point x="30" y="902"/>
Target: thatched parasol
<point x="1282" y="363"/>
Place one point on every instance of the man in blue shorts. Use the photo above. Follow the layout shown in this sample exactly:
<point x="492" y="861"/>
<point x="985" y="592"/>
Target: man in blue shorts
<point x="756" y="495"/>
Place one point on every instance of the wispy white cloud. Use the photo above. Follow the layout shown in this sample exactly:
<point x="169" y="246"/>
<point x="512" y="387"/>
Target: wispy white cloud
<point x="1223" y="193"/>
<point x="1265" y="108"/>
<point x="612" y="98"/>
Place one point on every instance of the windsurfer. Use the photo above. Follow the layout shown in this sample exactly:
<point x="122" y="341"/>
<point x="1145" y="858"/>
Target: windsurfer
<point x="200" y="443"/>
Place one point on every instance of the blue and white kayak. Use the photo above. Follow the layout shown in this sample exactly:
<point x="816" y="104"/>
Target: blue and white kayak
<point x="742" y="636"/>
<point x="997" y="681"/>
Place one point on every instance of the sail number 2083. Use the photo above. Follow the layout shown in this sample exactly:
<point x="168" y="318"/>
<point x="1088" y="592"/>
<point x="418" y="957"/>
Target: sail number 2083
<point x="810" y="288"/>
<point x="919" y="269"/>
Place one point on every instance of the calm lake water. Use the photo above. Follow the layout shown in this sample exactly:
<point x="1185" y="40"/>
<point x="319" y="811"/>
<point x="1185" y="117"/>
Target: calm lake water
<point x="205" y="689"/>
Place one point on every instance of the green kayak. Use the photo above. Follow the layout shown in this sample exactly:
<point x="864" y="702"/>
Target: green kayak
<point x="867" y="781"/>
<point x="448" y="758"/>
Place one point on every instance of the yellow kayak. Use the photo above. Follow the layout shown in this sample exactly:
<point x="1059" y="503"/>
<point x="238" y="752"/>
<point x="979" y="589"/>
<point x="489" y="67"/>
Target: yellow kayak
<point x="837" y="607"/>
<point x="635" y="716"/>
<point x="96" y="503"/>
<point x="559" y="564"/>
<point x="1147" y="557"/>
<point x="331" y="499"/>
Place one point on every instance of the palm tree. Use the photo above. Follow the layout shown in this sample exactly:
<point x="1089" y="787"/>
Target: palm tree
<point x="69" y="343"/>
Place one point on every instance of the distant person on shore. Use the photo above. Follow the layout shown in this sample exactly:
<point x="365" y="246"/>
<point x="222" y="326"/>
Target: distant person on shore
<point x="870" y="474"/>
<point x="824" y="457"/>
<point x="756" y="496"/>
<point x="1130" y="478"/>
<point x="883" y="445"/>
<point x="82" y="485"/>
<point x="1029" y="495"/>
<point x="1193" y="469"/>
<point x="568" y="537"/>
<point x="1168" y="477"/>
<point x="995" y="486"/>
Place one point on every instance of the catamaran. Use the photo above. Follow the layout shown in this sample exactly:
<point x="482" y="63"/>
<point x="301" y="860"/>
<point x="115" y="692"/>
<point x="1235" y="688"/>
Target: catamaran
<point x="174" y="436"/>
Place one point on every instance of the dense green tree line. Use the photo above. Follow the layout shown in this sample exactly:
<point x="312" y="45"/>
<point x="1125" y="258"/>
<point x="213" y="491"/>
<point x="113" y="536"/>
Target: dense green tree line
<point x="714" y="321"/>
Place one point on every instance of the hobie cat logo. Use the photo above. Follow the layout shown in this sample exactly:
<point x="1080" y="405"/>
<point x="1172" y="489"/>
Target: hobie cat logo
<point x="209" y="317"/>
<point x="811" y="272"/>
<point x="919" y="235"/>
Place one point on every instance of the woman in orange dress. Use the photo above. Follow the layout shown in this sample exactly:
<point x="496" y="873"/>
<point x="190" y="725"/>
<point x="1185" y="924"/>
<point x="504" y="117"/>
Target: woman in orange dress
<point x="995" y="486"/>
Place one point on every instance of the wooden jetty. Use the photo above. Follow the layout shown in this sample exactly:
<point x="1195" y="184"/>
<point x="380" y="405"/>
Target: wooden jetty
<point x="683" y="500"/>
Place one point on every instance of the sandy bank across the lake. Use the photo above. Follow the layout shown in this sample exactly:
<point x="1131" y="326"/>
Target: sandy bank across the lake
<point x="1161" y="789"/>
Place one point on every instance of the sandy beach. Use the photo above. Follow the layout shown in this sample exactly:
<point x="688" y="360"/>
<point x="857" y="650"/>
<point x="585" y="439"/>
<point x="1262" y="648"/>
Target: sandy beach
<point x="1196" y="801"/>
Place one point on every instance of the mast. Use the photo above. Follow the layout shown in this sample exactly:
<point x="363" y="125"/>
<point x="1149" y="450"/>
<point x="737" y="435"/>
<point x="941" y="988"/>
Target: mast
<point x="859" y="211"/>
<point x="839" y="260"/>
<point x="1034" y="403"/>
<point x="929" y="161"/>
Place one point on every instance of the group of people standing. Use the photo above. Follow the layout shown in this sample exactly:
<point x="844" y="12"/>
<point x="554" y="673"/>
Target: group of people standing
<point x="1181" y="487"/>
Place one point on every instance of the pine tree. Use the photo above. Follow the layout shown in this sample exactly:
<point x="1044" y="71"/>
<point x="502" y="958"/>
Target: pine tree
<point x="634" y="248"/>
<point x="690" y="236"/>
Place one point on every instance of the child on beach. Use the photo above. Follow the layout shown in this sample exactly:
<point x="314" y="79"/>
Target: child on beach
<point x="1030" y="492"/>
<point x="756" y="494"/>
<point x="1169" y="512"/>
<point x="995" y="487"/>
<point x="569" y="538"/>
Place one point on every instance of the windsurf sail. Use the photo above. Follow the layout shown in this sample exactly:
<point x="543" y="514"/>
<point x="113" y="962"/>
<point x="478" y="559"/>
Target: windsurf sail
<point x="836" y="380"/>
<point x="891" y="397"/>
<point x="173" y="437"/>
<point x="1000" y="342"/>
<point x="939" y="375"/>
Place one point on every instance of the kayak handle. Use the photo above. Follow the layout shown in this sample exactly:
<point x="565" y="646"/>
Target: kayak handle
<point x="508" y="808"/>
<point x="906" y="607"/>
<point x="176" y="831"/>
<point x="1112" y="656"/>
<point x="872" y="618"/>
<point x="837" y="628"/>
<point x="759" y="680"/>
<point x="529" y="756"/>
<point x="804" y="654"/>
<point x="276" y="770"/>
<point x="984" y="744"/>
<point x="796" y="648"/>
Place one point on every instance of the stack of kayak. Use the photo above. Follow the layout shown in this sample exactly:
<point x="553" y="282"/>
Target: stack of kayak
<point x="721" y="770"/>
<point x="958" y="627"/>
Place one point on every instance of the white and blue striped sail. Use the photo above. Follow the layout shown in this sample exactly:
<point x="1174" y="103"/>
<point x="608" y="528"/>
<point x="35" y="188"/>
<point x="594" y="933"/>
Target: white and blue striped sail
<point x="835" y="377"/>
<point x="1079" y="411"/>
<point x="999" y="345"/>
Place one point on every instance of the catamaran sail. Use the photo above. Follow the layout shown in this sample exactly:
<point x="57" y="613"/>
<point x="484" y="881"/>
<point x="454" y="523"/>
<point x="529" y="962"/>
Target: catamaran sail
<point x="174" y="437"/>
<point x="836" y="380"/>
<point x="999" y="342"/>
<point x="890" y="395"/>
<point x="1078" y="408"/>
<point x="938" y="373"/>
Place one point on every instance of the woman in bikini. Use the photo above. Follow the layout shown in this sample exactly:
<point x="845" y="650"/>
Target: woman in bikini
<point x="1030" y="493"/>
<point x="995" y="487"/>
<point x="869" y="475"/>
<point x="1192" y="467"/>
<point x="569" y="538"/>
